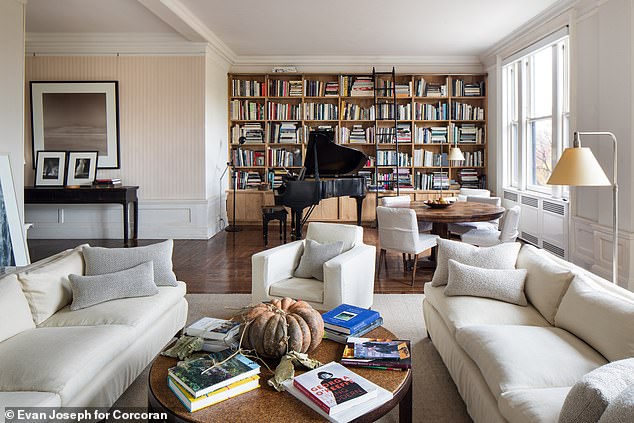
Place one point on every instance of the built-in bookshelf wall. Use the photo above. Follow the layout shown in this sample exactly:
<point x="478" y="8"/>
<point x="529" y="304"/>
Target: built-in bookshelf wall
<point x="277" y="112"/>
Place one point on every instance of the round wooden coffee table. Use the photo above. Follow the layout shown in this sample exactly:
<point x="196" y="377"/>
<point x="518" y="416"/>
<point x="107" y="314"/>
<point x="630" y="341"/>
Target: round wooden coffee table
<point x="265" y="404"/>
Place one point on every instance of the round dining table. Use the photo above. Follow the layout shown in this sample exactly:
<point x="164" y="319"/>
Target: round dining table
<point x="460" y="211"/>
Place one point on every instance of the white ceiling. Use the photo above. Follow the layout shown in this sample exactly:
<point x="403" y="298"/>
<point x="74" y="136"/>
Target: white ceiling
<point x="306" y="28"/>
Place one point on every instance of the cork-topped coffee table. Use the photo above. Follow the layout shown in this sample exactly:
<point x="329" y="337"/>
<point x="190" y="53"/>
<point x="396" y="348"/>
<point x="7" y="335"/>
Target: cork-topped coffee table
<point x="266" y="404"/>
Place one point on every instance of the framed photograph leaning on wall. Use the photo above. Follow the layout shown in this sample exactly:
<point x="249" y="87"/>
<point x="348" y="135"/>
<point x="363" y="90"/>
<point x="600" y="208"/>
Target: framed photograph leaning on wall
<point x="77" y="116"/>
<point x="50" y="168"/>
<point x="82" y="167"/>
<point x="13" y="249"/>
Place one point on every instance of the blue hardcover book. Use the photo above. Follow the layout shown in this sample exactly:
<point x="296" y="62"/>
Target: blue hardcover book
<point x="349" y="319"/>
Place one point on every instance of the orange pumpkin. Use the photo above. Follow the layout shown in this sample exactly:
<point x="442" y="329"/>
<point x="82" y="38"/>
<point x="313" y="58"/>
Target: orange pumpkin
<point x="272" y="329"/>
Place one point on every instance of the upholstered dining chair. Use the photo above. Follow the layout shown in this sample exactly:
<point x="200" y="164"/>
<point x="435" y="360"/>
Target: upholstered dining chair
<point x="398" y="231"/>
<point x="462" y="227"/>
<point x="405" y="199"/>
<point x="348" y="277"/>
<point x="509" y="230"/>
<point x="465" y="192"/>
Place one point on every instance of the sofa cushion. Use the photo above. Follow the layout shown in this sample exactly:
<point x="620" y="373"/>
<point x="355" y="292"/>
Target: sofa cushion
<point x="62" y="361"/>
<point x="603" y="320"/>
<point x="589" y="397"/>
<point x="139" y="312"/>
<point x="101" y="260"/>
<point x="527" y="357"/>
<point x="15" y="315"/>
<point x="311" y="264"/>
<point x="459" y="312"/>
<point x="323" y="232"/>
<point x="504" y="285"/>
<point x="299" y="288"/>
<point x="498" y="257"/>
<point x="546" y="281"/>
<point x="46" y="287"/>
<point x="532" y="405"/>
<point x="621" y="409"/>
<point x="137" y="281"/>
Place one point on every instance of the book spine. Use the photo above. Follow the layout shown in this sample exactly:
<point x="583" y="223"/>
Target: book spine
<point x="312" y="397"/>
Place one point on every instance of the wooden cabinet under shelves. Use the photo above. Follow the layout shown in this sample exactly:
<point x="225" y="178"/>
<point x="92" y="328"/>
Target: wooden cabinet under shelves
<point x="438" y="110"/>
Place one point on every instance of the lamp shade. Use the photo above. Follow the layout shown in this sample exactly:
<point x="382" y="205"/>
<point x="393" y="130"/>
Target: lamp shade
<point x="577" y="166"/>
<point x="455" y="154"/>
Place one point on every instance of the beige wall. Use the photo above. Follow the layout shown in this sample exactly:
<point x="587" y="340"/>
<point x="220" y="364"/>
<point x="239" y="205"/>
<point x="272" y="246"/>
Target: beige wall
<point x="162" y="118"/>
<point x="11" y="91"/>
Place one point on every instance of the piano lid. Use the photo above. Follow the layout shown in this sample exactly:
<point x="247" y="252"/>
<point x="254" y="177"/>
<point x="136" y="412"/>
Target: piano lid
<point x="332" y="159"/>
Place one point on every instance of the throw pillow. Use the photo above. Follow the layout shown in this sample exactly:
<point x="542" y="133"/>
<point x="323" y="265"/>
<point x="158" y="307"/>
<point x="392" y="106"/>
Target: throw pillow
<point x="15" y="315"/>
<point x="101" y="260"/>
<point x="311" y="265"/>
<point x="621" y="408"/>
<point x="137" y="281"/>
<point x="501" y="256"/>
<point x="503" y="285"/>
<point x="602" y="319"/>
<point x="546" y="281"/>
<point x="45" y="285"/>
<point x="588" y="398"/>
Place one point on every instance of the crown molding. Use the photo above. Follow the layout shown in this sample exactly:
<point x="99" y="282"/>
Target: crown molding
<point x="513" y="41"/>
<point x="91" y="44"/>
<point x="179" y="17"/>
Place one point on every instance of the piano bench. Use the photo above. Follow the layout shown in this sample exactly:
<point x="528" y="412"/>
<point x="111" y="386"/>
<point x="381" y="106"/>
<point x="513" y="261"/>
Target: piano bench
<point x="273" y="213"/>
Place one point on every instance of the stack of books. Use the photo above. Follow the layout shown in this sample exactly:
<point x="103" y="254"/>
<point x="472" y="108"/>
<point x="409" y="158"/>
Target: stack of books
<point x="198" y="385"/>
<point x="348" y="320"/>
<point x="108" y="182"/>
<point x="362" y="87"/>
<point x="336" y="393"/>
<point x="469" y="178"/>
<point x="217" y="334"/>
<point x="375" y="353"/>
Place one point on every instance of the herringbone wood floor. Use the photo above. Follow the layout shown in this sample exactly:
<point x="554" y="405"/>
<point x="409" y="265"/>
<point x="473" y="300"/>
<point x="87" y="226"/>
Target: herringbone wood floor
<point x="222" y="264"/>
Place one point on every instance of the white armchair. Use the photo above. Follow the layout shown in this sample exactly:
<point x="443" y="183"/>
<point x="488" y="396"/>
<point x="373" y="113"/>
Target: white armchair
<point x="348" y="278"/>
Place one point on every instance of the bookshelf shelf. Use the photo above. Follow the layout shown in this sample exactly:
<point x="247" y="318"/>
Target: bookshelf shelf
<point x="447" y="95"/>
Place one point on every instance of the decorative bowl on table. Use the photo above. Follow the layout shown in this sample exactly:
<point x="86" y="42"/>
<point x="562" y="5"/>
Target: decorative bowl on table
<point x="438" y="204"/>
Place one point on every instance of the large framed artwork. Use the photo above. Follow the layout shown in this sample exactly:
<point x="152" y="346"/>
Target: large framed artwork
<point x="13" y="249"/>
<point x="77" y="116"/>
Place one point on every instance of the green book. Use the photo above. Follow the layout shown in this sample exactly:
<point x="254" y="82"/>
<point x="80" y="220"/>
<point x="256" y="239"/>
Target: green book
<point x="195" y="377"/>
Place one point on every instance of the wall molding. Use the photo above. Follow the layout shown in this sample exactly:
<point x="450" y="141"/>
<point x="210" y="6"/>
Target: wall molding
<point x="104" y="44"/>
<point x="591" y="246"/>
<point x="158" y="219"/>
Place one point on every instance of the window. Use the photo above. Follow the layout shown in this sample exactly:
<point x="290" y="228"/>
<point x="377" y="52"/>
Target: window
<point x="535" y="93"/>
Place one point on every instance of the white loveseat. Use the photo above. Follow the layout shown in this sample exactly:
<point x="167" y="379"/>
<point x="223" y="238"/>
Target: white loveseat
<point x="83" y="358"/>
<point x="517" y="364"/>
<point x="348" y="277"/>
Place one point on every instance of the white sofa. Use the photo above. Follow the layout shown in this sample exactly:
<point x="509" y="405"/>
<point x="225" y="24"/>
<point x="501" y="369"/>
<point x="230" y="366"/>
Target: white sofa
<point x="517" y="364"/>
<point x="348" y="277"/>
<point x="83" y="358"/>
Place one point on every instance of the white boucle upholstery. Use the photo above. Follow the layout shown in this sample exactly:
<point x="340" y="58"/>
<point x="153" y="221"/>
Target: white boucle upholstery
<point x="526" y="357"/>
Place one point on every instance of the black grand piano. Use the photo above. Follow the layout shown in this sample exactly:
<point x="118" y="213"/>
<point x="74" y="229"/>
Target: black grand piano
<point x="329" y="171"/>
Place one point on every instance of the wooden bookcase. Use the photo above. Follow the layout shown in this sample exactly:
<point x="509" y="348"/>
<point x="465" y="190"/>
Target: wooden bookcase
<point x="268" y="100"/>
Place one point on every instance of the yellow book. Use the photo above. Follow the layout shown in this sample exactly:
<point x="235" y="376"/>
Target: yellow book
<point x="194" y="404"/>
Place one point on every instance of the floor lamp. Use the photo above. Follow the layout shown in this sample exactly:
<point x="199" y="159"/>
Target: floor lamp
<point x="233" y="227"/>
<point x="578" y="167"/>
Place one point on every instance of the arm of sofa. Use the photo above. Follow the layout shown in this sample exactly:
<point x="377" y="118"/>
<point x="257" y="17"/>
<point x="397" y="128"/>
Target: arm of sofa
<point x="349" y="278"/>
<point x="273" y="265"/>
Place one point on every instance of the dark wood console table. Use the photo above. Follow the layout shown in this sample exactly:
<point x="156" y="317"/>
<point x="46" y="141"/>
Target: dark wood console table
<point x="90" y="195"/>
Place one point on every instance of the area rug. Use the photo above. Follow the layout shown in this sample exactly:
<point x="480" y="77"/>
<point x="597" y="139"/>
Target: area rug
<point x="435" y="398"/>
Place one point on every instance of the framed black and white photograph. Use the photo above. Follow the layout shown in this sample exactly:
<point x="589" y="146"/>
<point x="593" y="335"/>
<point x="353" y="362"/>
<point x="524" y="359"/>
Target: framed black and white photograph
<point x="13" y="249"/>
<point x="82" y="167"/>
<point x="77" y="116"/>
<point x="50" y="168"/>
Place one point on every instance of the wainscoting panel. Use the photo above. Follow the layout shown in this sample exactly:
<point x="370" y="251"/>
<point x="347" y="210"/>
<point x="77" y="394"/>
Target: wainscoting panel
<point x="157" y="220"/>
<point x="592" y="249"/>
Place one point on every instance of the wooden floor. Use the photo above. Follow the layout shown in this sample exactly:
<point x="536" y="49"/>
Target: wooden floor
<point x="222" y="264"/>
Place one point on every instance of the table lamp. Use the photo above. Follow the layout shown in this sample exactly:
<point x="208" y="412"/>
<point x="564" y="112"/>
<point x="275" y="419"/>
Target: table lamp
<point x="577" y="166"/>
